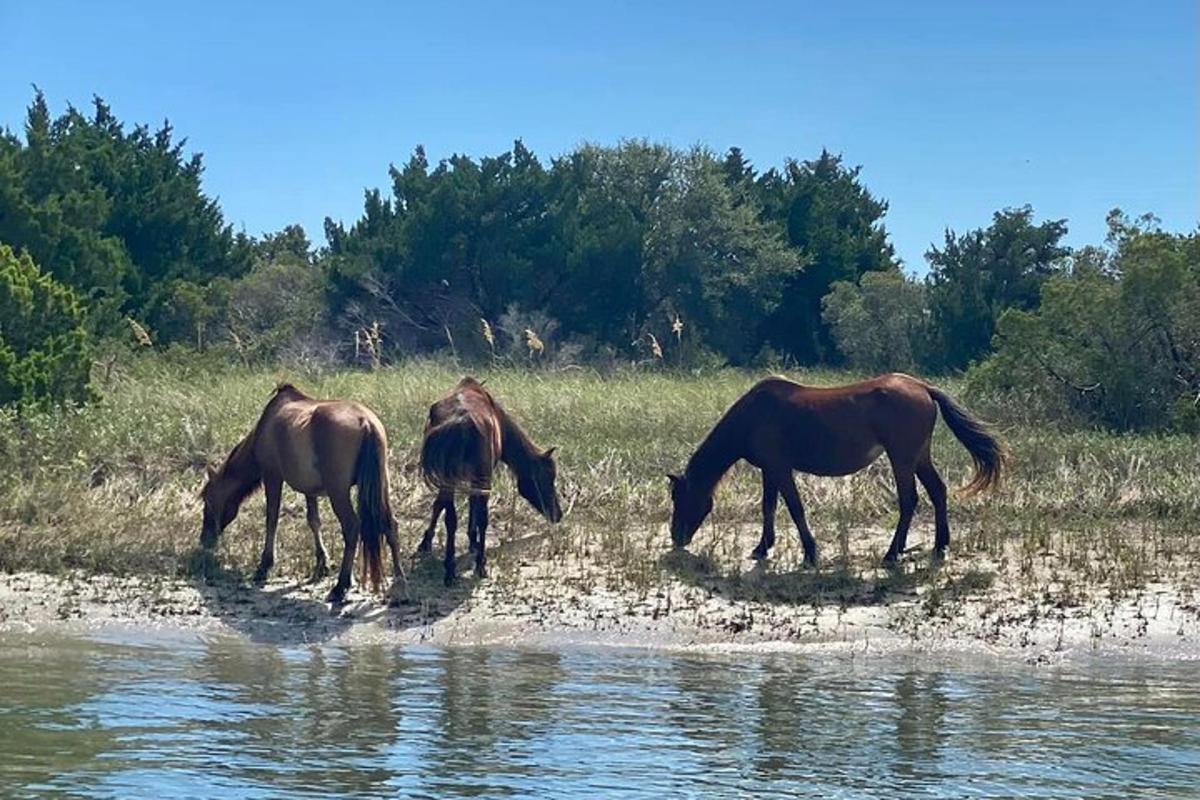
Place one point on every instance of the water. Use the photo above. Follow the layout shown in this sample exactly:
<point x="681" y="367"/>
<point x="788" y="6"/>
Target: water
<point x="156" y="717"/>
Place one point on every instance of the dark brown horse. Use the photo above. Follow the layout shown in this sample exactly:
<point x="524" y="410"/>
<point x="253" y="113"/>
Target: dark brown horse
<point x="780" y="426"/>
<point x="318" y="447"/>
<point x="466" y="436"/>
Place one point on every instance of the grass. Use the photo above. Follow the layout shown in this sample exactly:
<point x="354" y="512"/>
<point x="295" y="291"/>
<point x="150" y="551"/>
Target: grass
<point x="112" y="488"/>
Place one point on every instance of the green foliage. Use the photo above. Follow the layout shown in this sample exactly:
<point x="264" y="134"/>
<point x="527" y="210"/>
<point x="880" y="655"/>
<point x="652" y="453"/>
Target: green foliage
<point x="1116" y="339"/>
<point x="881" y="323"/>
<point x="711" y="261"/>
<point x="277" y="310"/>
<point x="977" y="276"/>
<point x="119" y="216"/>
<point x="43" y="344"/>
<point x="831" y="217"/>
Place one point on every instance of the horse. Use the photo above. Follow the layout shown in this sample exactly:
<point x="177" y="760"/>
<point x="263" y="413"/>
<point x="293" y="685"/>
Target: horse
<point x="466" y="435"/>
<point x="317" y="447"/>
<point x="781" y="426"/>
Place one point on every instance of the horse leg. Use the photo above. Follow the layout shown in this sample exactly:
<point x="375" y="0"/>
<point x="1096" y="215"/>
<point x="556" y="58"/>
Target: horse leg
<point x="479" y="523"/>
<point x="906" y="495"/>
<point x="473" y="525"/>
<point x="450" y="567"/>
<point x="935" y="487"/>
<point x="787" y="485"/>
<point x="443" y="502"/>
<point x="770" y="500"/>
<point x="399" y="590"/>
<point x="273" y="488"/>
<point x="344" y="509"/>
<point x="314" y="523"/>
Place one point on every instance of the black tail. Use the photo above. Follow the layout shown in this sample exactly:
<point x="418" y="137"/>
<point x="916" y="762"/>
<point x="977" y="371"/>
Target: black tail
<point x="989" y="453"/>
<point x="374" y="509"/>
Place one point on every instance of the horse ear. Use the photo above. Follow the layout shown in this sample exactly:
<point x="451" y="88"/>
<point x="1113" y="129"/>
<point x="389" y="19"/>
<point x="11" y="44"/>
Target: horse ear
<point x="675" y="479"/>
<point x="210" y="471"/>
<point x="549" y="452"/>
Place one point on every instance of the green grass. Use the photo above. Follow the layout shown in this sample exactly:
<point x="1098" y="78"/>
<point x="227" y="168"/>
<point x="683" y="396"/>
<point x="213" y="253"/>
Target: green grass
<point x="112" y="487"/>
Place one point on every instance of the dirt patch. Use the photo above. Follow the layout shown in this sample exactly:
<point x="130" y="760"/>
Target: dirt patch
<point x="998" y="602"/>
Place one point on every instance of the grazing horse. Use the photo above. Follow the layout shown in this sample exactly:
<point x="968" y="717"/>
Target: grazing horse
<point x="318" y="447"/>
<point x="781" y="426"/>
<point x="466" y="436"/>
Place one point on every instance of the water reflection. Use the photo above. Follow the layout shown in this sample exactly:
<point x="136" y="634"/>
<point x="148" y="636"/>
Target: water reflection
<point x="143" y="718"/>
<point x="920" y="727"/>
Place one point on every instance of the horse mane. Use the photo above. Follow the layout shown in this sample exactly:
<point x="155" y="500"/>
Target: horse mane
<point x="714" y="456"/>
<point x="283" y="387"/>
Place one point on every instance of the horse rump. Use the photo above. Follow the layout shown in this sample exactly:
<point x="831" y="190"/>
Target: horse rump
<point x="455" y="454"/>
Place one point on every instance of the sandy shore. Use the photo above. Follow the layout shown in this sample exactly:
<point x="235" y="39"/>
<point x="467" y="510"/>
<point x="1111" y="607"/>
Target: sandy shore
<point x="534" y="605"/>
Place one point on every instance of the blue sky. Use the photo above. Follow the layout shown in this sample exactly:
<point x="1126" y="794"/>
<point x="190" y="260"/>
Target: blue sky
<point x="954" y="109"/>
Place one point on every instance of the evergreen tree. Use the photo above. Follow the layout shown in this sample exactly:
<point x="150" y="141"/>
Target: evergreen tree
<point x="43" y="345"/>
<point x="976" y="276"/>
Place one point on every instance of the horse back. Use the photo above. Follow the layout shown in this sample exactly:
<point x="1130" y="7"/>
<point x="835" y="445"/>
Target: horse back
<point x="462" y="442"/>
<point x="314" y="444"/>
<point x="837" y="430"/>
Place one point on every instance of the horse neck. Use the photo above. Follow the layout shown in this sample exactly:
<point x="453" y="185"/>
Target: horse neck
<point x="715" y="455"/>
<point x="241" y="468"/>
<point x="517" y="450"/>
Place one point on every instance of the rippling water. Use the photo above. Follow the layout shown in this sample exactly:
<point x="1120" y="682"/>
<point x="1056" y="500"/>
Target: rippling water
<point x="158" y="717"/>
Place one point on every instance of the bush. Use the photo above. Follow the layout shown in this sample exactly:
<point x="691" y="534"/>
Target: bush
<point x="1116" y="340"/>
<point x="43" y="344"/>
<point x="880" y="324"/>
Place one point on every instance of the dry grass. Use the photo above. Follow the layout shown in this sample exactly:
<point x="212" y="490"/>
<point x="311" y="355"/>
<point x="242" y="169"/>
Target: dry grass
<point x="112" y="488"/>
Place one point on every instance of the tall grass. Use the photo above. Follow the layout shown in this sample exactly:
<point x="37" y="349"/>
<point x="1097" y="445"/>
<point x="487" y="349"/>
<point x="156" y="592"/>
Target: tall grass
<point x="112" y="486"/>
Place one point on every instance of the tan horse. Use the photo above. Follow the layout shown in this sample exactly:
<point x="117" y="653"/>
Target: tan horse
<point x="780" y="426"/>
<point x="466" y="436"/>
<point x="317" y="447"/>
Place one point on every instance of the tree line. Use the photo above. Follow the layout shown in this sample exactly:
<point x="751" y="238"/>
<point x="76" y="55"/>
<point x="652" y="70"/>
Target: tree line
<point x="633" y="252"/>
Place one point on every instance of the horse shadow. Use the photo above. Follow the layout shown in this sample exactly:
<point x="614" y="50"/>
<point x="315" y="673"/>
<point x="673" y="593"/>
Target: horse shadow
<point x="837" y="583"/>
<point x="294" y="611"/>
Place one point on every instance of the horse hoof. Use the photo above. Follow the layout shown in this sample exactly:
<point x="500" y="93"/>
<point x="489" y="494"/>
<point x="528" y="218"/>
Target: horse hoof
<point x="320" y="573"/>
<point x="260" y="576"/>
<point x="398" y="596"/>
<point x="759" y="554"/>
<point x="480" y="572"/>
<point x="939" y="555"/>
<point x="448" y="580"/>
<point x="336" y="596"/>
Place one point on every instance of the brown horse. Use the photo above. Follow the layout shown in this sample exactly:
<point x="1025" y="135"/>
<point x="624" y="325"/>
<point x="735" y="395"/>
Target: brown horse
<point x="780" y="426"/>
<point x="318" y="447"/>
<point x="466" y="436"/>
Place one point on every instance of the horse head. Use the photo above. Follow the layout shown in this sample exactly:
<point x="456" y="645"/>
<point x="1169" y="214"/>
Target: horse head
<point x="536" y="485"/>
<point x="690" y="507"/>
<point x="222" y="494"/>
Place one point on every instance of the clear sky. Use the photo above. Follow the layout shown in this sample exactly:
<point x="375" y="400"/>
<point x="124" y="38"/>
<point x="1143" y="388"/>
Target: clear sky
<point x="954" y="109"/>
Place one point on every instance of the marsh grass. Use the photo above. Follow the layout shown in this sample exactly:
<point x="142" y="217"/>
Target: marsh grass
<point x="112" y="488"/>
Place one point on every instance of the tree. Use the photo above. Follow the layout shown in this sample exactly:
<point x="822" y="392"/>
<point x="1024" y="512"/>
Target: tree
<point x="119" y="216"/>
<point x="43" y="344"/>
<point x="881" y="323"/>
<point x="838" y="225"/>
<point x="711" y="260"/>
<point x="978" y="275"/>
<point x="1120" y="345"/>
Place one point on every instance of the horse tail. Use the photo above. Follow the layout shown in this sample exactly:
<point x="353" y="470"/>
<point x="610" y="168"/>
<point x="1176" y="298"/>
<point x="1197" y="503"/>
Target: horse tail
<point x="990" y="455"/>
<point x="451" y="453"/>
<point x="374" y="508"/>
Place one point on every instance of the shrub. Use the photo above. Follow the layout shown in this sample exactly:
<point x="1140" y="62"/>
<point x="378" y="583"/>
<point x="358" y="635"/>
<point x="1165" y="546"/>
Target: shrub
<point x="1116" y="340"/>
<point x="43" y="344"/>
